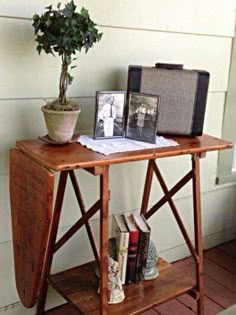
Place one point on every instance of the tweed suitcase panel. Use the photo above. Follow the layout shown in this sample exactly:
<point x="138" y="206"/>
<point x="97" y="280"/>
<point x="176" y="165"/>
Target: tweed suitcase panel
<point x="178" y="92"/>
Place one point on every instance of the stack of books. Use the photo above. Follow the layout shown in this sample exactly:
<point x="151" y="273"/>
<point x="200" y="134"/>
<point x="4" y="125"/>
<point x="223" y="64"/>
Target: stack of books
<point x="132" y="235"/>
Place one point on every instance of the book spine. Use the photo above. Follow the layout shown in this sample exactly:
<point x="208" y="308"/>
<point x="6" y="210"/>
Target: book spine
<point x="123" y="255"/>
<point x="132" y="257"/>
<point x="144" y="238"/>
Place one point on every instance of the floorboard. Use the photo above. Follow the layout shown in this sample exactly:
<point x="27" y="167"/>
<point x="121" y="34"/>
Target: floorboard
<point x="211" y="307"/>
<point x="229" y="248"/>
<point x="222" y="259"/>
<point x="151" y="312"/>
<point x="219" y="283"/>
<point x="174" y="307"/>
<point x="213" y="289"/>
<point x="219" y="274"/>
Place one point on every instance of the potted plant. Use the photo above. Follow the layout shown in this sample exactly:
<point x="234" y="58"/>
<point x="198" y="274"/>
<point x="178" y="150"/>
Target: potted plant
<point x="64" y="32"/>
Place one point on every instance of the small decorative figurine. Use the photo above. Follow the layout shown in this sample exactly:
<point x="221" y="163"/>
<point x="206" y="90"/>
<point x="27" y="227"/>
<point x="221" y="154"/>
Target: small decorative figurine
<point x="111" y="253"/>
<point x="151" y="271"/>
<point x="115" y="291"/>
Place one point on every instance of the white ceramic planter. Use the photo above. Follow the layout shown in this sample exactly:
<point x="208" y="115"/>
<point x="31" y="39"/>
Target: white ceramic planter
<point x="60" y="124"/>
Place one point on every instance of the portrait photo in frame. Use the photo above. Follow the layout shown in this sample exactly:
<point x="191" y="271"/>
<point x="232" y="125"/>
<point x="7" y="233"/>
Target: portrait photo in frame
<point x="142" y="115"/>
<point x="109" y="114"/>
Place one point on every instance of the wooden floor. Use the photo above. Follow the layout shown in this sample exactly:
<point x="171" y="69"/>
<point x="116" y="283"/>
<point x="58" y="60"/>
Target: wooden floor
<point x="219" y="283"/>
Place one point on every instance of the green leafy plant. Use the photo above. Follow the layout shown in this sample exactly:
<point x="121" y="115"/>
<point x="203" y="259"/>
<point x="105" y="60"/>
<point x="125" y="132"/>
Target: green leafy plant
<point x="64" y="32"/>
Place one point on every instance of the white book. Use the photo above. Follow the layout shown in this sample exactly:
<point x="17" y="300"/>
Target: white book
<point x="121" y="234"/>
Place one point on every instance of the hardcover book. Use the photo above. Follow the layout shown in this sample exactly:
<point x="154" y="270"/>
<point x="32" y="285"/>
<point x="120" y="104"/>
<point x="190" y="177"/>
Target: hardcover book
<point x="121" y="234"/>
<point x="132" y="250"/>
<point x="143" y="245"/>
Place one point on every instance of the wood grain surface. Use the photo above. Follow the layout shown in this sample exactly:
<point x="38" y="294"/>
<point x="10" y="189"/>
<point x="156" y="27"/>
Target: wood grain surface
<point x="31" y="194"/>
<point x="74" y="155"/>
<point x="73" y="286"/>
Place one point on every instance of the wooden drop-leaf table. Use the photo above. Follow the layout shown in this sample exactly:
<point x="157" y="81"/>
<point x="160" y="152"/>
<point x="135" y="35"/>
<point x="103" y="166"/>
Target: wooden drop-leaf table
<point x="35" y="162"/>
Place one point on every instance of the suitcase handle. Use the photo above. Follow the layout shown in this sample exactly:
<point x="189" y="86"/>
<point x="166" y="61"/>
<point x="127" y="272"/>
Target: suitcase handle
<point x="170" y="66"/>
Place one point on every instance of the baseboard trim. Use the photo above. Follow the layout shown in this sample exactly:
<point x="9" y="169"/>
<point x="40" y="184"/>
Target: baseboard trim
<point x="181" y="251"/>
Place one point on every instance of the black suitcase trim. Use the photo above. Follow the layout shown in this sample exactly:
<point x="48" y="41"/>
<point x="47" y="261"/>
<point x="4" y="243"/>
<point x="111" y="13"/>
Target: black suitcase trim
<point x="200" y="107"/>
<point x="134" y="83"/>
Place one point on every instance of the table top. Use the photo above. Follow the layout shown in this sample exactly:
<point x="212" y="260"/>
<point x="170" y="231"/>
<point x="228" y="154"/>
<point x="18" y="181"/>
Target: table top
<point x="74" y="155"/>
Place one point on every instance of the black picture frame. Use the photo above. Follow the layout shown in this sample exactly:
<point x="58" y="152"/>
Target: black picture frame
<point x="142" y="117"/>
<point x="109" y="114"/>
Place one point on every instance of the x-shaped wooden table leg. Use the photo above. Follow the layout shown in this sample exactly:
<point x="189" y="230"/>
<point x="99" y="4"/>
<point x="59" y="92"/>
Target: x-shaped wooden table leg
<point x="193" y="175"/>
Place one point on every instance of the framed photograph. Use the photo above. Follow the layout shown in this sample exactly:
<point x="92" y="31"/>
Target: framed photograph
<point x="142" y="117"/>
<point x="109" y="114"/>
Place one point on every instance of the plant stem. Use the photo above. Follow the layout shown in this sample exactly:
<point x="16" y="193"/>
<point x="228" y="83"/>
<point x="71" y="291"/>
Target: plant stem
<point x="63" y="81"/>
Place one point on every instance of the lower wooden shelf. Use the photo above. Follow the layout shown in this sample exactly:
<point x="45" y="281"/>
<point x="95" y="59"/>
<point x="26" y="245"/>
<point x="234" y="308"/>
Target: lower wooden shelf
<point x="65" y="309"/>
<point x="79" y="287"/>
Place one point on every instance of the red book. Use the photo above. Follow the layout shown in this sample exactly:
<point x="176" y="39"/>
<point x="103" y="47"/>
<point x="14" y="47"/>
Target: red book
<point x="132" y="249"/>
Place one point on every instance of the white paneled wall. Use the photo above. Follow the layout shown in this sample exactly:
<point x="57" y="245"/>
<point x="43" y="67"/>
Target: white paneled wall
<point x="196" y="33"/>
<point x="105" y="66"/>
<point x="194" y="16"/>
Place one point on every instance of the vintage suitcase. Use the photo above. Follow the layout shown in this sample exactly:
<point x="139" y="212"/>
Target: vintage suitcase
<point x="183" y="96"/>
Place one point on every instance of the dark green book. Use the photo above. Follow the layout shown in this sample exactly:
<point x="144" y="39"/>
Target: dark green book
<point x="143" y="245"/>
